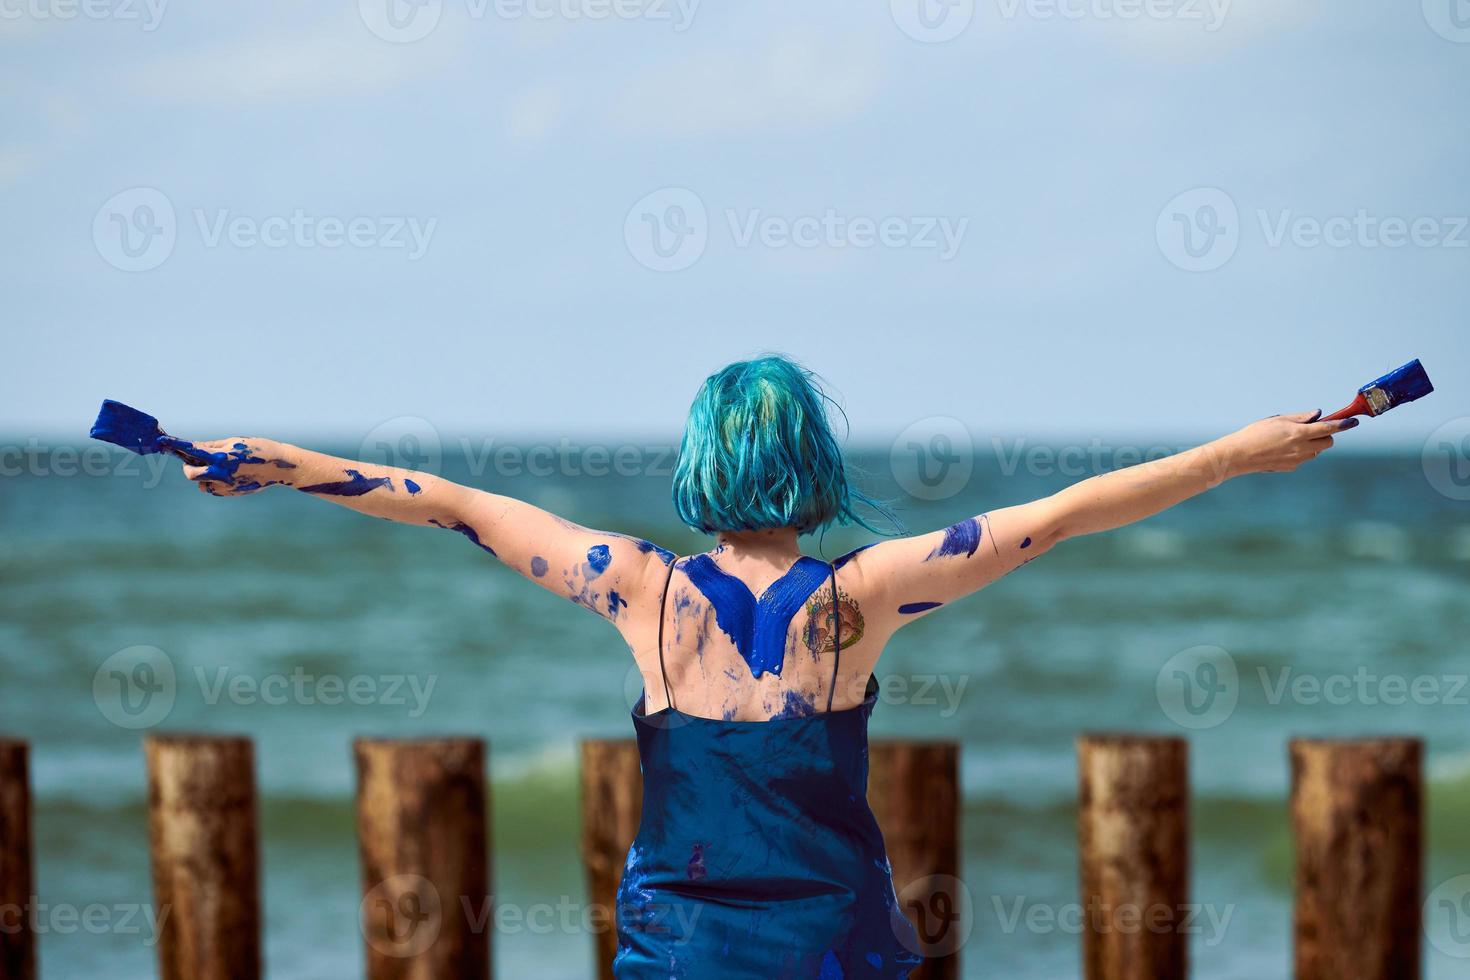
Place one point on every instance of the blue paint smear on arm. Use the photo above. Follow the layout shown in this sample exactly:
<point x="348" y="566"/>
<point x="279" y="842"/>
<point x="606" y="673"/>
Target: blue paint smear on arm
<point x="1026" y="543"/>
<point x="538" y="566"/>
<point x="462" y="528"/>
<point x="615" y="602"/>
<point x="413" y="488"/>
<point x="959" y="539"/>
<point x="851" y="555"/>
<point x="664" y="554"/>
<point x="355" y="486"/>
<point x="599" y="556"/>
<point x="910" y="608"/>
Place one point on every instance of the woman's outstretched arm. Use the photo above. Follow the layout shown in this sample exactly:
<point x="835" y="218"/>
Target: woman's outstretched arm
<point x="600" y="570"/>
<point x="906" y="578"/>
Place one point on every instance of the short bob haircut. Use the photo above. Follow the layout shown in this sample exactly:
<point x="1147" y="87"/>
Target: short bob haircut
<point x="758" y="453"/>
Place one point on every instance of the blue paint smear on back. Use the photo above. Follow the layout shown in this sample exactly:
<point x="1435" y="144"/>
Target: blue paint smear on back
<point x="757" y="627"/>
<point x="354" y="486"/>
<point x="959" y="539"/>
<point x="796" y="705"/>
<point x="838" y="563"/>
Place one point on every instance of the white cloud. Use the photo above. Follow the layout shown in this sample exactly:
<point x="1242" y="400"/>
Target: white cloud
<point x="794" y="81"/>
<point x="533" y="114"/>
<point x="346" y="62"/>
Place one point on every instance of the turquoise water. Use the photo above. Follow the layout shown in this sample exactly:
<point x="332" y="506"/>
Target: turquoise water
<point x="1352" y="571"/>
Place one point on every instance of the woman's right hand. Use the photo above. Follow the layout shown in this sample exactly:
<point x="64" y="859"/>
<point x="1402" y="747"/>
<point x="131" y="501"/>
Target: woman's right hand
<point x="1281" y="443"/>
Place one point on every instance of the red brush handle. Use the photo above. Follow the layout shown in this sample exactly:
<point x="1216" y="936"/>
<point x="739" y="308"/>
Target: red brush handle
<point x="1358" y="407"/>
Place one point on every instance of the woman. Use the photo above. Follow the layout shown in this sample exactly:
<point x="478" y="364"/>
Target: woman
<point x="758" y="855"/>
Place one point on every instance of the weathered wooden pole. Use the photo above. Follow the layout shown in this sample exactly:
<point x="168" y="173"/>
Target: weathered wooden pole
<point x="17" y="885"/>
<point x="206" y="886"/>
<point x="422" y="832"/>
<point x="612" y="805"/>
<point x="913" y="788"/>
<point x="1133" y="840"/>
<point x="1357" y="820"/>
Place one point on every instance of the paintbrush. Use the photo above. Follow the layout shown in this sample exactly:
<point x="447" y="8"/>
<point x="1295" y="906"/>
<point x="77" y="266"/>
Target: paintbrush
<point x="125" y="426"/>
<point x="1398" y="386"/>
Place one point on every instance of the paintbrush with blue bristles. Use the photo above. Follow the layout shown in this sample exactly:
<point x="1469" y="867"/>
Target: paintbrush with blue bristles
<point x="1398" y="386"/>
<point x="125" y="426"/>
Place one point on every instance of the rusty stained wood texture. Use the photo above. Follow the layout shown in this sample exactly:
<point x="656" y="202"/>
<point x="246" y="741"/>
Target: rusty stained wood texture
<point x="202" y="832"/>
<point x="422" y="826"/>
<point x="1356" y="817"/>
<point x="1133" y="842"/>
<point x="17" y="883"/>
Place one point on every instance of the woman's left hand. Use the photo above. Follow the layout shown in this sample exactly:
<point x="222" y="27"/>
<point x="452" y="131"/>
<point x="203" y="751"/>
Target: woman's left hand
<point x="243" y="465"/>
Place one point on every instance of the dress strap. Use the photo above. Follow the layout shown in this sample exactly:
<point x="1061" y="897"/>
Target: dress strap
<point x="662" y="602"/>
<point x="836" y="638"/>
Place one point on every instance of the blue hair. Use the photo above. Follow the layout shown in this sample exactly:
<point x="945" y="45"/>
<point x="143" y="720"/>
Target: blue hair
<point x="758" y="452"/>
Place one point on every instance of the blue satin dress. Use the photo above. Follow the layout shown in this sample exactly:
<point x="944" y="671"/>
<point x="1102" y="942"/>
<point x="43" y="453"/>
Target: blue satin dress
<point x="757" y="855"/>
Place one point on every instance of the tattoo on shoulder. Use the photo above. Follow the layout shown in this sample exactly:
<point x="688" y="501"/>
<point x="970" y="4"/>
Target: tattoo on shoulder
<point x="824" y="617"/>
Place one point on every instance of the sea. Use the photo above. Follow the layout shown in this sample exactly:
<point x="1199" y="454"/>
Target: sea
<point x="1328" y="602"/>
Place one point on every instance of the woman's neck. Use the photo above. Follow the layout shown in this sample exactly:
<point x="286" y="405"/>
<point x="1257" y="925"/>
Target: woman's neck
<point x="775" y="544"/>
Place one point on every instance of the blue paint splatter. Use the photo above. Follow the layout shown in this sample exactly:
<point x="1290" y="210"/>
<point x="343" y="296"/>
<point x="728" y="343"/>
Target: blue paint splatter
<point x="757" y="627"/>
<point x="462" y="528"/>
<point x="831" y="968"/>
<point x="664" y="554"/>
<point x="851" y="555"/>
<point x="910" y="608"/>
<point x="355" y="486"/>
<point x="614" y="603"/>
<point x="696" y="871"/>
<point x="959" y="539"/>
<point x="599" y="556"/>
<point x="1026" y="543"/>
<point x="875" y="960"/>
<point x="796" y="705"/>
<point x="538" y="566"/>
<point x="413" y="488"/>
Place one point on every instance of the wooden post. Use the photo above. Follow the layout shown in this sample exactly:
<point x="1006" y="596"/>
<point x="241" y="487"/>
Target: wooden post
<point x="17" y="939"/>
<point x="1133" y="839"/>
<point x="612" y="805"/>
<point x="1356" y="818"/>
<point x="422" y="831"/>
<point x="201" y="822"/>
<point x="913" y="788"/>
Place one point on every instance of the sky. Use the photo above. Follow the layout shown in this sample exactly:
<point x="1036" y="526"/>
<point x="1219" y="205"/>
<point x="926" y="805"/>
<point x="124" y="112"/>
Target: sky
<point x="1047" y="218"/>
